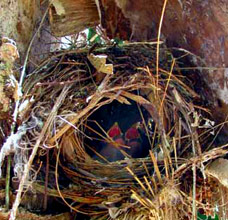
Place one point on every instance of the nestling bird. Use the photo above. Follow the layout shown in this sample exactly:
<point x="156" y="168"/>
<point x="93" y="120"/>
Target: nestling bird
<point x="111" y="150"/>
<point x="133" y="140"/>
<point x="116" y="149"/>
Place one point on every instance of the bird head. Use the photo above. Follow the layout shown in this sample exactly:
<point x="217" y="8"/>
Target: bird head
<point x="133" y="140"/>
<point x="111" y="149"/>
<point x="114" y="131"/>
<point x="133" y="132"/>
<point x="116" y="135"/>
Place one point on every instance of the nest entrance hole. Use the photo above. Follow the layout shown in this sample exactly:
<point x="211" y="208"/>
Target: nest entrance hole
<point x="126" y="116"/>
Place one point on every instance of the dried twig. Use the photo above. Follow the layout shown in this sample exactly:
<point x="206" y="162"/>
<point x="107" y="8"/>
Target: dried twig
<point x="34" y="151"/>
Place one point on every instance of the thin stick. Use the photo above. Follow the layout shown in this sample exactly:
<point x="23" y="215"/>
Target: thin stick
<point x="167" y="85"/>
<point x="194" y="215"/>
<point x="50" y="118"/>
<point x="154" y="160"/>
<point x="46" y="180"/>
<point x="25" y="65"/>
<point x="7" y="199"/>
<point x="15" y="113"/>
<point x="138" y="180"/>
<point x="158" y="40"/>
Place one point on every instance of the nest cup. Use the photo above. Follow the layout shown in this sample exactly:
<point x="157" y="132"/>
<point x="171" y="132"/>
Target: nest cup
<point x="68" y="97"/>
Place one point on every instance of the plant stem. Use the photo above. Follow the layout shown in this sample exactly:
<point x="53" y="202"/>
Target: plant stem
<point x="7" y="199"/>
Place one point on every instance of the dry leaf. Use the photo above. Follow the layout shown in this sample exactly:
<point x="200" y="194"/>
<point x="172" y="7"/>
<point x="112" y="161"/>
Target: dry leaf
<point x="60" y="10"/>
<point x="218" y="169"/>
<point x="17" y="91"/>
<point x="99" y="62"/>
<point x="8" y="51"/>
<point x="177" y="96"/>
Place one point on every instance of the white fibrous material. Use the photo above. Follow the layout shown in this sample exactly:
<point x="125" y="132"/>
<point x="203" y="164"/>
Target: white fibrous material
<point x="20" y="146"/>
<point x="11" y="144"/>
<point x="21" y="154"/>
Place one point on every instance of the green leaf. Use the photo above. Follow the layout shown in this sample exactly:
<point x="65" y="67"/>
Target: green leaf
<point x="93" y="37"/>
<point x="205" y="217"/>
<point x="118" y="41"/>
<point x="91" y="33"/>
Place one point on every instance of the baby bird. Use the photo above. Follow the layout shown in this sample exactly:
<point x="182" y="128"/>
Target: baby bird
<point x="116" y="148"/>
<point x="133" y="140"/>
<point x="111" y="150"/>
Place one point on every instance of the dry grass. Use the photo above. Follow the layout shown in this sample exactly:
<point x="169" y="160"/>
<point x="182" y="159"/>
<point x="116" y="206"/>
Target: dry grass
<point x="164" y="185"/>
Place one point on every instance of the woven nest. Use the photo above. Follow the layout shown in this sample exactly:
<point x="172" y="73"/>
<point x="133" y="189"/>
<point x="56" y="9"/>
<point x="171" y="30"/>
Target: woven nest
<point x="65" y="92"/>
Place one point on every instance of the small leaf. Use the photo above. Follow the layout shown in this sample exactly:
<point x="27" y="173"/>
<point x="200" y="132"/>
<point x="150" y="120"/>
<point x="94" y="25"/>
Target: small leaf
<point x="99" y="62"/>
<point x="93" y="37"/>
<point x="91" y="33"/>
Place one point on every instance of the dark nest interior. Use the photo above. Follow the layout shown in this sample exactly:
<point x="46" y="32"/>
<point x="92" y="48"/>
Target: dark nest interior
<point x="131" y="143"/>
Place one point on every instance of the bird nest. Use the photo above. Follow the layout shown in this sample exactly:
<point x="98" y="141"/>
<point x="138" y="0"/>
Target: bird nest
<point x="67" y="115"/>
